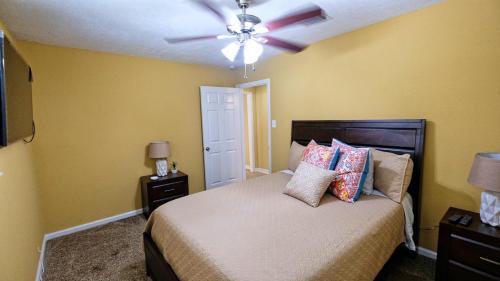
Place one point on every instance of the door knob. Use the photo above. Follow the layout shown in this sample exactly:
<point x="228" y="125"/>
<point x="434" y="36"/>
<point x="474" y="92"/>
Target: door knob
<point x="207" y="148"/>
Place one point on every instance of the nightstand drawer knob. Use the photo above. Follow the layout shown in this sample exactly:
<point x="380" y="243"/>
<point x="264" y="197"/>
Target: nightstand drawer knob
<point x="169" y="190"/>
<point x="490" y="261"/>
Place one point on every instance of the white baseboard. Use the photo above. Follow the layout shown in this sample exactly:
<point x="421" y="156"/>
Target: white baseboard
<point x="78" y="228"/>
<point x="93" y="224"/>
<point x="249" y="168"/>
<point x="40" y="269"/>
<point x="258" y="170"/>
<point x="426" y="253"/>
<point x="261" y="170"/>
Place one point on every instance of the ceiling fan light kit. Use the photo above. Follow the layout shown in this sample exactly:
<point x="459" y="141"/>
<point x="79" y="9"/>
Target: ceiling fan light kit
<point x="231" y="50"/>
<point x="249" y="31"/>
<point x="252" y="51"/>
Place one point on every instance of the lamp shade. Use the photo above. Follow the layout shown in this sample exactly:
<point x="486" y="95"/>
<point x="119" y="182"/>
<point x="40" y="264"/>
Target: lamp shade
<point x="159" y="149"/>
<point x="485" y="171"/>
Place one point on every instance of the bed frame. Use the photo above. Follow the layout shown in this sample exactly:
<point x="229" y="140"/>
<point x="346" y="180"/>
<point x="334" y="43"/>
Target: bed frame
<point x="397" y="136"/>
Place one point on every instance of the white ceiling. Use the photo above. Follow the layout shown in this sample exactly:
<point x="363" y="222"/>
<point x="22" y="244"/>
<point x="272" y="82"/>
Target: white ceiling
<point x="137" y="27"/>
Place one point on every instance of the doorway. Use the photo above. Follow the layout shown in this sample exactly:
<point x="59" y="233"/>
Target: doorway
<point x="257" y="127"/>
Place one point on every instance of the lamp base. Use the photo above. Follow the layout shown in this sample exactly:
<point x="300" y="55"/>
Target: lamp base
<point x="490" y="208"/>
<point x="161" y="167"/>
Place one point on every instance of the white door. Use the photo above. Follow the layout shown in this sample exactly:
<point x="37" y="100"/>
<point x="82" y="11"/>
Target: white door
<point x="221" y="110"/>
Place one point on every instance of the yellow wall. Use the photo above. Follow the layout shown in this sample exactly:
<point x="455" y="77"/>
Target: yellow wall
<point x="441" y="63"/>
<point x="247" y="92"/>
<point x="260" y="124"/>
<point x="245" y="130"/>
<point x="261" y="130"/>
<point x="21" y="229"/>
<point x="96" y="113"/>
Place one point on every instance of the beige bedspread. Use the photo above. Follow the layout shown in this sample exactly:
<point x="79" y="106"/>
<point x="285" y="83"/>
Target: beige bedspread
<point x="251" y="231"/>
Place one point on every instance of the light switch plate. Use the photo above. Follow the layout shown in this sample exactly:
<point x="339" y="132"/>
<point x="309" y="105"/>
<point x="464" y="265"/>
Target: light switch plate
<point x="273" y="123"/>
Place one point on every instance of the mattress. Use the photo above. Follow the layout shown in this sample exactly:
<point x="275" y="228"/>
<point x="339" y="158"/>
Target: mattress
<point x="252" y="231"/>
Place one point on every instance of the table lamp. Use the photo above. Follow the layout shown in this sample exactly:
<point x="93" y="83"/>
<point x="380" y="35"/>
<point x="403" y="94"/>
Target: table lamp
<point x="485" y="173"/>
<point x="160" y="150"/>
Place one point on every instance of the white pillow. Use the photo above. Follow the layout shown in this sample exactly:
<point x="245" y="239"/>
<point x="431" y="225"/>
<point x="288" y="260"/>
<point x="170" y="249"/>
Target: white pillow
<point x="392" y="174"/>
<point x="309" y="183"/>
<point x="295" y="155"/>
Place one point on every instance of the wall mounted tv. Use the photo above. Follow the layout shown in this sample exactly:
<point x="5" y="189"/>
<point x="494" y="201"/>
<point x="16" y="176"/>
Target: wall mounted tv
<point x="16" y="108"/>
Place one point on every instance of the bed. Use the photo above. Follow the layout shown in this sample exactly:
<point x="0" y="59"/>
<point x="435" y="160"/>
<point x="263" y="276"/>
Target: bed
<point x="251" y="231"/>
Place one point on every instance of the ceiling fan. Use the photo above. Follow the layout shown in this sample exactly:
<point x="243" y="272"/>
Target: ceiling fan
<point x="250" y="33"/>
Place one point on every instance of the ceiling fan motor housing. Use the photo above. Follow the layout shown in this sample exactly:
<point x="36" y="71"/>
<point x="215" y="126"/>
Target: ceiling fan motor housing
<point x="243" y="3"/>
<point x="248" y="22"/>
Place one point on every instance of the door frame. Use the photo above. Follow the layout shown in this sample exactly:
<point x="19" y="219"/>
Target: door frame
<point x="267" y="83"/>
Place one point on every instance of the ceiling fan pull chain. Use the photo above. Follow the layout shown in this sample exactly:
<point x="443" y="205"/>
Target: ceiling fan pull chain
<point x="245" y="76"/>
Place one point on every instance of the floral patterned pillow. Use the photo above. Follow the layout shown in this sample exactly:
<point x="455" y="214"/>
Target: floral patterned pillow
<point x="351" y="169"/>
<point x="320" y="156"/>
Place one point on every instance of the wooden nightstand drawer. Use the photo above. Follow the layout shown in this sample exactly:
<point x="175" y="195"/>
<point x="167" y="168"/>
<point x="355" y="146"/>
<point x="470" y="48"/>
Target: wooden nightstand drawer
<point x="160" y="191"/>
<point x="460" y="272"/>
<point x="167" y="189"/>
<point x="476" y="254"/>
<point x="158" y="202"/>
<point x="467" y="252"/>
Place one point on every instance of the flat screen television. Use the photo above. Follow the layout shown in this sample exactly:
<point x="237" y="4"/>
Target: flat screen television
<point x="16" y="107"/>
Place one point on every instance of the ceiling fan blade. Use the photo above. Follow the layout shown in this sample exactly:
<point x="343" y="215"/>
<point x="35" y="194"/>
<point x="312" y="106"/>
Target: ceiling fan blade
<point x="292" y="47"/>
<point x="224" y="14"/>
<point x="308" y="14"/>
<point x="197" y="38"/>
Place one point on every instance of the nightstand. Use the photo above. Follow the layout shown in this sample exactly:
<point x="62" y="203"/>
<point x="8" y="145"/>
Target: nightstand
<point x="467" y="253"/>
<point x="160" y="191"/>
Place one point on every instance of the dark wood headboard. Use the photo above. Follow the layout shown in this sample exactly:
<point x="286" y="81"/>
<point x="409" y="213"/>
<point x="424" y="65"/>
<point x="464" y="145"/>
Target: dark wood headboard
<point x="397" y="136"/>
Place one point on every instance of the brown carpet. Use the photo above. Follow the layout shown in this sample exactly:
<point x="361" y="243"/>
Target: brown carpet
<point x="114" y="252"/>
